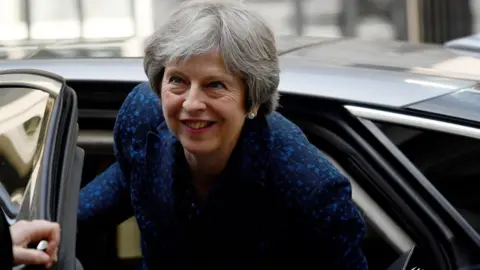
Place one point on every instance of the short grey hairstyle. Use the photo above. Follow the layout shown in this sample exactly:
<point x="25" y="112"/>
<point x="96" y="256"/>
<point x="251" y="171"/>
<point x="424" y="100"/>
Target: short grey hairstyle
<point x="244" y="39"/>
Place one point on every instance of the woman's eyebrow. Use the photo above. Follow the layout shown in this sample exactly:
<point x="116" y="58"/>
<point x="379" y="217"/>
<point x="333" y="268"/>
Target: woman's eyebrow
<point x="224" y="77"/>
<point x="174" y="71"/>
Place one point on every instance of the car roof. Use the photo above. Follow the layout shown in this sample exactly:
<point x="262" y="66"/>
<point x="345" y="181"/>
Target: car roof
<point x="363" y="85"/>
<point x="385" y="73"/>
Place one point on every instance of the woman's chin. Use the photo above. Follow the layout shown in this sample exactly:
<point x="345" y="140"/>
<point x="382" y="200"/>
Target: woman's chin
<point x="198" y="148"/>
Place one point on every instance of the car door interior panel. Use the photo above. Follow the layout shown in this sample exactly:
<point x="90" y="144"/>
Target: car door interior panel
<point x="38" y="135"/>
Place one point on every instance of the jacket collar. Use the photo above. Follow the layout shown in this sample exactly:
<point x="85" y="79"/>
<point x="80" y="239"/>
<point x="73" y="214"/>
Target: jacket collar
<point x="249" y="160"/>
<point x="239" y="196"/>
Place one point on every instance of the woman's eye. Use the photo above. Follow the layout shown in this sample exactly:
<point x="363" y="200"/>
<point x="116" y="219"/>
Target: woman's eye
<point x="216" y="85"/>
<point x="175" y="80"/>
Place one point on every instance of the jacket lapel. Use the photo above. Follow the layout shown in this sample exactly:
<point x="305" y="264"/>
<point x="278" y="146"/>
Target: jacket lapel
<point x="160" y="165"/>
<point x="241" y="206"/>
<point x="255" y="142"/>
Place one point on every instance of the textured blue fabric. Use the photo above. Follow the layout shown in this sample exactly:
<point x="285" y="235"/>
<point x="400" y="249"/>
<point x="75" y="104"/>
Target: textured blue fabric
<point x="278" y="203"/>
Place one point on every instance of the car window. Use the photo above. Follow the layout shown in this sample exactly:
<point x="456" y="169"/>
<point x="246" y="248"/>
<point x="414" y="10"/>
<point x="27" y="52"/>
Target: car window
<point x="450" y="162"/>
<point x="23" y="118"/>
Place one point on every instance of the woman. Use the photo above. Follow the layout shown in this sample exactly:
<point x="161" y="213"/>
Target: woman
<point x="215" y="177"/>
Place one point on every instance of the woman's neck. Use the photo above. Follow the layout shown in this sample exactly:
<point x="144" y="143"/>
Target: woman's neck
<point x="206" y="168"/>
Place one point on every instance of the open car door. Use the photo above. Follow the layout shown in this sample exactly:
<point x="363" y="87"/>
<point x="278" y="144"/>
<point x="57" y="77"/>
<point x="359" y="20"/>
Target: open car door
<point x="40" y="164"/>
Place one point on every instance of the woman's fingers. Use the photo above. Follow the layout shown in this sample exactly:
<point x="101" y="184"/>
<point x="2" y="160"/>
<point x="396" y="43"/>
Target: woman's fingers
<point x="30" y="256"/>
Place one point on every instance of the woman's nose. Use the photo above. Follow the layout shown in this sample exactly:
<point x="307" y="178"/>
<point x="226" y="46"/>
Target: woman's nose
<point x="194" y="100"/>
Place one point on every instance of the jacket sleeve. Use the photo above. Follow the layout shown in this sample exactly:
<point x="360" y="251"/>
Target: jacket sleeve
<point x="6" y="250"/>
<point x="105" y="201"/>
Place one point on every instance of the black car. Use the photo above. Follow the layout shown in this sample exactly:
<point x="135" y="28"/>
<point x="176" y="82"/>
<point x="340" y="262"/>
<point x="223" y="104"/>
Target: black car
<point x="401" y="120"/>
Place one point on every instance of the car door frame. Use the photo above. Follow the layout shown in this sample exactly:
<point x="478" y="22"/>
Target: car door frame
<point x="56" y="195"/>
<point x="466" y="237"/>
<point x="387" y="175"/>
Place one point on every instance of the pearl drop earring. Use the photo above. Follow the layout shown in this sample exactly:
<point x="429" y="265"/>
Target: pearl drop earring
<point x="251" y="115"/>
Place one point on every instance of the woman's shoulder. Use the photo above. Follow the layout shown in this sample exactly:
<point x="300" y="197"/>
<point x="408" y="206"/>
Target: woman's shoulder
<point x="142" y="106"/>
<point x="284" y="131"/>
<point x="295" y="159"/>
<point x="139" y="114"/>
<point x="286" y="137"/>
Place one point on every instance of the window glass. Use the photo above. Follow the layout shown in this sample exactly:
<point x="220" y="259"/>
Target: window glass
<point x="450" y="162"/>
<point x="24" y="115"/>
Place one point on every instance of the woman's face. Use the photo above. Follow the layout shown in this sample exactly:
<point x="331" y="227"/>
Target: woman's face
<point x="203" y="104"/>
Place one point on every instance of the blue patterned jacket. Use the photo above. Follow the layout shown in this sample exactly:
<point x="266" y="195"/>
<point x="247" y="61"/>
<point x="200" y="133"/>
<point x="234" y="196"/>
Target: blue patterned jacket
<point x="278" y="203"/>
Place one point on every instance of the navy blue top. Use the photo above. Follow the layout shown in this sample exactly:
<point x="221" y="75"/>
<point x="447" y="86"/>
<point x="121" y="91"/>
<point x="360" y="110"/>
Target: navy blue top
<point x="279" y="202"/>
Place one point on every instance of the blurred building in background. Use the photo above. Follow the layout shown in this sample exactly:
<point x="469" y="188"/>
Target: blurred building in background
<point x="96" y="21"/>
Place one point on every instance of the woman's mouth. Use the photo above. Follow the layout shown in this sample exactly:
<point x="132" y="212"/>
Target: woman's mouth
<point x="198" y="126"/>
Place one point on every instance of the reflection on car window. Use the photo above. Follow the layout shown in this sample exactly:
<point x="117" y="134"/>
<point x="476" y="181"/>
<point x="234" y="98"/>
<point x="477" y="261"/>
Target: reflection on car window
<point x="24" y="115"/>
<point x="449" y="161"/>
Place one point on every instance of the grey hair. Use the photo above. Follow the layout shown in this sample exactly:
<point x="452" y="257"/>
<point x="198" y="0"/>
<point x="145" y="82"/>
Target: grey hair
<point x="245" y="41"/>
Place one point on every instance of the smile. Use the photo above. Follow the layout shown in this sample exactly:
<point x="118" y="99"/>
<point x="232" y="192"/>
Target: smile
<point x="198" y="125"/>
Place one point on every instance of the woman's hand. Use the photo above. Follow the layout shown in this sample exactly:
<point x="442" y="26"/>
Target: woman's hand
<point x="25" y="232"/>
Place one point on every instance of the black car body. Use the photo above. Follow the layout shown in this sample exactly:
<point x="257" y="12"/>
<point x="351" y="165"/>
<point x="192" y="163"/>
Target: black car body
<point x="401" y="120"/>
